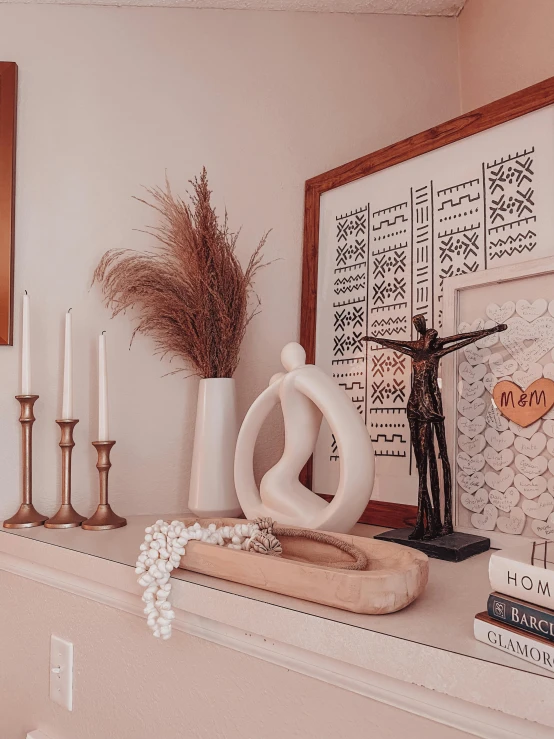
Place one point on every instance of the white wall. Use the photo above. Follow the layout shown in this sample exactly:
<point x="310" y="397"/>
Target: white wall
<point x="109" y="99"/>
<point x="505" y="45"/>
<point x="128" y="685"/>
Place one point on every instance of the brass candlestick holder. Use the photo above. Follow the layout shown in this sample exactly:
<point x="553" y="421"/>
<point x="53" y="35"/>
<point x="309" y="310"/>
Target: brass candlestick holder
<point x="104" y="518"/>
<point x="66" y="517"/>
<point x="27" y="516"/>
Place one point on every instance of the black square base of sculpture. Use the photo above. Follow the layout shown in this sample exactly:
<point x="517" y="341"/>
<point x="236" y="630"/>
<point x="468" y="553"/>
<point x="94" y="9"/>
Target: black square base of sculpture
<point x="453" y="547"/>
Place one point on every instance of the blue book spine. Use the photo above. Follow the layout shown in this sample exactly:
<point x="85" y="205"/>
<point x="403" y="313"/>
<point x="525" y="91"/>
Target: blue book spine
<point x="523" y="616"/>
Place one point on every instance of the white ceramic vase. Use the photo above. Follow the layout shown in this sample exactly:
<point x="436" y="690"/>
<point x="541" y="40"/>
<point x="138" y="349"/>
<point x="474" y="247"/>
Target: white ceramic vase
<point x="212" y="486"/>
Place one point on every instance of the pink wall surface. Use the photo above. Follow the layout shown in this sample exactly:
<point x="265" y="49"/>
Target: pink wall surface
<point x="505" y="45"/>
<point x="111" y="98"/>
<point x="128" y="685"/>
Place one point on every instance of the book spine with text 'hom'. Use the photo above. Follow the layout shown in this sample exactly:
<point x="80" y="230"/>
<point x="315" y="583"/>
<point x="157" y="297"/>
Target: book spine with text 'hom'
<point x="521" y="615"/>
<point x="521" y="580"/>
<point x="532" y="649"/>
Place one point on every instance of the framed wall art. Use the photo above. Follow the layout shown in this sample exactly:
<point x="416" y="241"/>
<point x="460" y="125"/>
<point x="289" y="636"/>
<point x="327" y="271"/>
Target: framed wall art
<point x="499" y="402"/>
<point x="381" y="236"/>
<point x="8" y="101"/>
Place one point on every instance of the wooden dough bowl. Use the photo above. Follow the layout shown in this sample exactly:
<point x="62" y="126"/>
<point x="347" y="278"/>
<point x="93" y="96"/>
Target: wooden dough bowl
<point x="394" y="578"/>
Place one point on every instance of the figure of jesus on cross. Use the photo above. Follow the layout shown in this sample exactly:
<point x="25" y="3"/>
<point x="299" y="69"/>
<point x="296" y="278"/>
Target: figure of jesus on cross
<point x="426" y="419"/>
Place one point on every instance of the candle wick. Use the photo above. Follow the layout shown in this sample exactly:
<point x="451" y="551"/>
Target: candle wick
<point x="69" y="311"/>
<point x="103" y="332"/>
<point x="26" y="293"/>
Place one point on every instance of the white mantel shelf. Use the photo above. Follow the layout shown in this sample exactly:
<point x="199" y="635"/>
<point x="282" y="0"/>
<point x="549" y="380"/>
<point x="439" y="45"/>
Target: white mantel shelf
<point x="423" y="659"/>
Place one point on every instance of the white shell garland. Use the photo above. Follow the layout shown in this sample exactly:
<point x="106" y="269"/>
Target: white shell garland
<point x="160" y="553"/>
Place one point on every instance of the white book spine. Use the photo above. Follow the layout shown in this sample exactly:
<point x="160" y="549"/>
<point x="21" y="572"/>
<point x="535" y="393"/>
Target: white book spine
<point x="521" y="580"/>
<point x="519" y="645"/>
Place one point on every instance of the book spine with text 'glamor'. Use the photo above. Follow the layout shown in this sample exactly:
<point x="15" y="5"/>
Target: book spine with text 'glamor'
<point x="521" y="615"/>
<point x="532" y="649"/>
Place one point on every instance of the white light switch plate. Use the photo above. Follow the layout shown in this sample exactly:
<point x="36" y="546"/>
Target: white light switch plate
<point x="61" y="672"/>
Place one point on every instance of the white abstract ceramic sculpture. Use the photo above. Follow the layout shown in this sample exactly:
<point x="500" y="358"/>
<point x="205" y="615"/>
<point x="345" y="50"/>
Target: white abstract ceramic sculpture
<point x="306" y="394"/>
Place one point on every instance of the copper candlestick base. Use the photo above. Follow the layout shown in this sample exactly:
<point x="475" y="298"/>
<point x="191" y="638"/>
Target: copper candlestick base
<point x="27" y="516"/>
<point x="104" y="518"/>
<point x="67" y="517"/>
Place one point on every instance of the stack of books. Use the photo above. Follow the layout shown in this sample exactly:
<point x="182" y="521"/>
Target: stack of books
<point x="520" y="612"/>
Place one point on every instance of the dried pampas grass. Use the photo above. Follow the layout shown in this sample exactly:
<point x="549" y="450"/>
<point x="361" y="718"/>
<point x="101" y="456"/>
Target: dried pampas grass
<point x="192" y="293"/>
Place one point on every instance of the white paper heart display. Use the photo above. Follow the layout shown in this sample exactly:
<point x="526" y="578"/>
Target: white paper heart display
<point x="512" y="525"/>
<point x="531" y="447"/>
<point x="550" y="485"/>
<point x="471" y="409"/>
<point x="531" y="467"/>
<point x="550" y="446"/>
<point x="495" y="419"/>
<point x="488" y="341"/>
<point x="485" y="521"/>
<point x="476" y="356"/>
<point x="501" y="481"/>
<point x="472" y="373"/>
<point x="475" y="502"/>
<point x="471" y="428"/>
<point x="526" y="432"/>
<point x="530" y="488"/>
<point x="499" y="440"/>
<point x="544" y="529"/>
<point x="489" y="381"/>
<point x="540" y="508"/>
<point x="548" y="371"/>
<point x="527" y="342"/>
<point x="530" y="311"/>
<point x="498" y="460"/>
<point x="471" y="446"/>
<point x="548" y="427"/>
<point x="524" y="379"/>
<point x="551" y="466"/>
<point x="471" y="390"/>
<point x="471" y="483"/>
<point x="500" y="313"/>
<point x="501" y="368"/>
<point x="470" y="464"/>
<point x="504" y="501"/>
<point x="477" y="325"/>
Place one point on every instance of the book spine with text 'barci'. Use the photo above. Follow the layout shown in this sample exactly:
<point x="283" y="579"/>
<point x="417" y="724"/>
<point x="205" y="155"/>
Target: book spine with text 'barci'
<point x="532" y="649"/>
<point x="511" y="573"/>
<point x="520" y="615"/>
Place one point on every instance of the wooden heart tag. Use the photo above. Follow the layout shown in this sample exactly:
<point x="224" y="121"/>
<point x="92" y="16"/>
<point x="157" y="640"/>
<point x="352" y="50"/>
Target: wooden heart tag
<point x="524" y="407"/>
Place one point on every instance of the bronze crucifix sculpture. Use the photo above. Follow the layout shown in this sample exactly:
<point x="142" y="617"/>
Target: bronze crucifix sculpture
<point x="426" y="419"/>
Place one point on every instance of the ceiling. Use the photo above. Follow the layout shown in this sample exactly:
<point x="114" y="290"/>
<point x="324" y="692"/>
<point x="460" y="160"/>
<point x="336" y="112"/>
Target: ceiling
<point x="392" y="7"/>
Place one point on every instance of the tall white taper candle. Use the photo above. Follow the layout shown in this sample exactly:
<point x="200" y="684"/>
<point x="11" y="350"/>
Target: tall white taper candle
<point x="103" y="425"/>
<point x="67" y="398"/>
<point x="26" y="348"/>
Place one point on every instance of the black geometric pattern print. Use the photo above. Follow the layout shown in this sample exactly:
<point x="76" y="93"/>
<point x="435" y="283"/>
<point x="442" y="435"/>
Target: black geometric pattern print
<point x="350" y="308"/>
<point x="388" y="363"/>
<point x="511" y="205"/>
<point x="387" y="392"/>
<point x="391" y="258"/>
<point x="353" y="316"/>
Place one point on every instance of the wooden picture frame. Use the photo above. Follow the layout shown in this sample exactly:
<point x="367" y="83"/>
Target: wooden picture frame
<point x="512" y="278"/>
<point x="541" y="95"/>
<point x="8" y="105"/>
